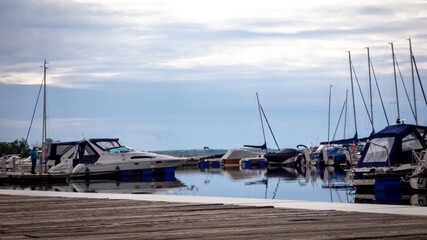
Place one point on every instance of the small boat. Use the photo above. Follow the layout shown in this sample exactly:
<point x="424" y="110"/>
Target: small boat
<point x="233" y="156"/>
<point x="284" y="157"/>
<point x="103" y="156"/>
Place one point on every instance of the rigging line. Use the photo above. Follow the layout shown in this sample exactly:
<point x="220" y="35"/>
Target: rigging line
<point x="379" y="93"/>
<point x="339" y="120"/>
<point x="66" y="114"/>
<point x="419" y="79"/>
<point x="404" y="86"/>
<point x="268" y="124"/>
<point x="262" y="124"/>
<point x="34" y="112"/>
<point x="361" y="94"/>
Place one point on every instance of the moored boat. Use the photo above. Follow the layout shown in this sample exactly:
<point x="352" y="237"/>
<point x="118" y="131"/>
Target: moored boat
<point x="389" y="154"/>
<point x="102" y="156"/>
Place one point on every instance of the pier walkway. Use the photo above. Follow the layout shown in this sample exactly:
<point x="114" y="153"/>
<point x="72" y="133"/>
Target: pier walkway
<point x="68" y="215"/>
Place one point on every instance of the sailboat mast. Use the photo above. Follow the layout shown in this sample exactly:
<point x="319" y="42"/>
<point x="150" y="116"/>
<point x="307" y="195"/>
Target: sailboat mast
<point x="345" y="116"/>
<point x="44" y="105"/>
<point x="262" y="124"/>
<point x="329" y="112"/>
<point x="370" y="90"/>
<point x="395" y="83"/>
<point x="352" y="91"/>
<point x="413" y="80"/>
<point x="44" y="133"/>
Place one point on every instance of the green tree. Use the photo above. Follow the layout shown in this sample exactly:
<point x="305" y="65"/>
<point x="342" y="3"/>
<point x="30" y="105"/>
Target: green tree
<point x="15" y="147"/>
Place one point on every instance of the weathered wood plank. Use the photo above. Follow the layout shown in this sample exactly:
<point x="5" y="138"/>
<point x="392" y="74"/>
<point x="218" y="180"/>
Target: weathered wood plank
<point x="65" y="218"/>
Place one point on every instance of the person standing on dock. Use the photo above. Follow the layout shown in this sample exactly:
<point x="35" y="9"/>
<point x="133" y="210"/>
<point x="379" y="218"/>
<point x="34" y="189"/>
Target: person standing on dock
<point x="34" y="157"/>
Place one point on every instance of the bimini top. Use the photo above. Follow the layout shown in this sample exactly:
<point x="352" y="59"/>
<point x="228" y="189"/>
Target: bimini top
<point x="393" y="146"/>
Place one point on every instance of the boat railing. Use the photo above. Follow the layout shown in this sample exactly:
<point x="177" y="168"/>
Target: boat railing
<point x="420" y="157"/>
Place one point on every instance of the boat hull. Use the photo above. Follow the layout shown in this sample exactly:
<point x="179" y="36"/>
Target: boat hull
<point x="100" y="168"/>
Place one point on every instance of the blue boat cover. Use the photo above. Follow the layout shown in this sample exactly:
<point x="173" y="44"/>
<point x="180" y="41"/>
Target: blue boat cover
<point x="393" y="146"/>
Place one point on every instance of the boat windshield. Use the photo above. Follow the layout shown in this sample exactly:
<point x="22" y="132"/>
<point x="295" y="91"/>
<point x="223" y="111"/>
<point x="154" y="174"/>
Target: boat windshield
<point x="379" y="150"/>
<point x="119" y="150"/>
<point x="112" y="146"/>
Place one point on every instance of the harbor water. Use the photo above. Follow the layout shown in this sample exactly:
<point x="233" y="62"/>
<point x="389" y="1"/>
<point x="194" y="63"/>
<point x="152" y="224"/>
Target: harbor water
<point x="329" y="184"/>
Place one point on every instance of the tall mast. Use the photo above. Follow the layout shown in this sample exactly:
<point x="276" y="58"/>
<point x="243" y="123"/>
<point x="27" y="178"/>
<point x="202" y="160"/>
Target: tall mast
<point x="44" y="104"/>
<point x="370" y="90"/>
<point x="395" y="83"/>
<point x="329" y="112"/>
<point x="345" y="116"/>
<point x="260" y="118"/>
<point x="352" y="91"/>
<point x="44" y="133"/>
<point x="413" y="81"/>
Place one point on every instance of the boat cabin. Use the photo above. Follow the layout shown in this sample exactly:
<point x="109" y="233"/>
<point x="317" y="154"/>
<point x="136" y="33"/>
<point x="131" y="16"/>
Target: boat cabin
<point x="393" y="146"/>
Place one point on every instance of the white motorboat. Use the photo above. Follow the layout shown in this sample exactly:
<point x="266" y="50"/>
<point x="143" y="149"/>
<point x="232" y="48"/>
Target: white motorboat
<point x="102" y="156"/>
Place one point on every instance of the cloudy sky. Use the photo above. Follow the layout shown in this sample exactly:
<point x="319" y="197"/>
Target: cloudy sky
<point x="168" y="74"/>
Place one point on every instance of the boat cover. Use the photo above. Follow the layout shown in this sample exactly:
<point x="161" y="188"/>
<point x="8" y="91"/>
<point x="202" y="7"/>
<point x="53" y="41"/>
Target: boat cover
<point x="56" y="150"/>
<point x="393" y="146"/>
<point x="281" y="155"/>
<point x="239" y="154"/>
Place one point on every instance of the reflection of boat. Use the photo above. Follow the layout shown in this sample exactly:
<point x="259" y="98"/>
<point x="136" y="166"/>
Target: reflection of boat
<point x="389" y="153"/>
<point x="284" y="173"/>
<point x="104" y="156"/>
<point x="134" y="187"/>
<point x="394" y="197"/>
<point x="236" y="175"/>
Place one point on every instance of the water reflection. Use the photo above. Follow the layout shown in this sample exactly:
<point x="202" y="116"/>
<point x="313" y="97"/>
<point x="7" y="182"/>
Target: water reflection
<point x="329" y="184"/>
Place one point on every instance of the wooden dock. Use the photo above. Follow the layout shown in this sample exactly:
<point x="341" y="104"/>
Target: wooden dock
<point x="25" y="217"/>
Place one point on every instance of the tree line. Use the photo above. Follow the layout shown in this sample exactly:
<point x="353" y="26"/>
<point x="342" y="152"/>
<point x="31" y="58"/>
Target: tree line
<point x="19" y="146"/>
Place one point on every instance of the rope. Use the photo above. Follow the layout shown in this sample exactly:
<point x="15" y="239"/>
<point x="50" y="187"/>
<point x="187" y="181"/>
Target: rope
<point x="32" y="118"/>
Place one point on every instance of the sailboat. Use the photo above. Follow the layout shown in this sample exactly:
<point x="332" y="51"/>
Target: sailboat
<point x="393" y="153"/>
<point x="283" y="157"/>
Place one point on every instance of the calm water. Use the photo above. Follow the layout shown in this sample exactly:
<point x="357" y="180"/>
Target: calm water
<point x="311" y="184"/>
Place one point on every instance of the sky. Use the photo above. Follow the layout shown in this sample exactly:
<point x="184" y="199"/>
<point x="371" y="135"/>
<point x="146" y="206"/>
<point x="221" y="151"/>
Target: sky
<point x="168" y="74"/>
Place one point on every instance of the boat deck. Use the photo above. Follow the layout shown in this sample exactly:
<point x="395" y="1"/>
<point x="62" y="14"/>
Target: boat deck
<point x="37" y="214"/>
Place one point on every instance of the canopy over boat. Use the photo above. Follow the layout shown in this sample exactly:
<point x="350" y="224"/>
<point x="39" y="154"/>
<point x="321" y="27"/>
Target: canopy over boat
<point x="393" y="146"/>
